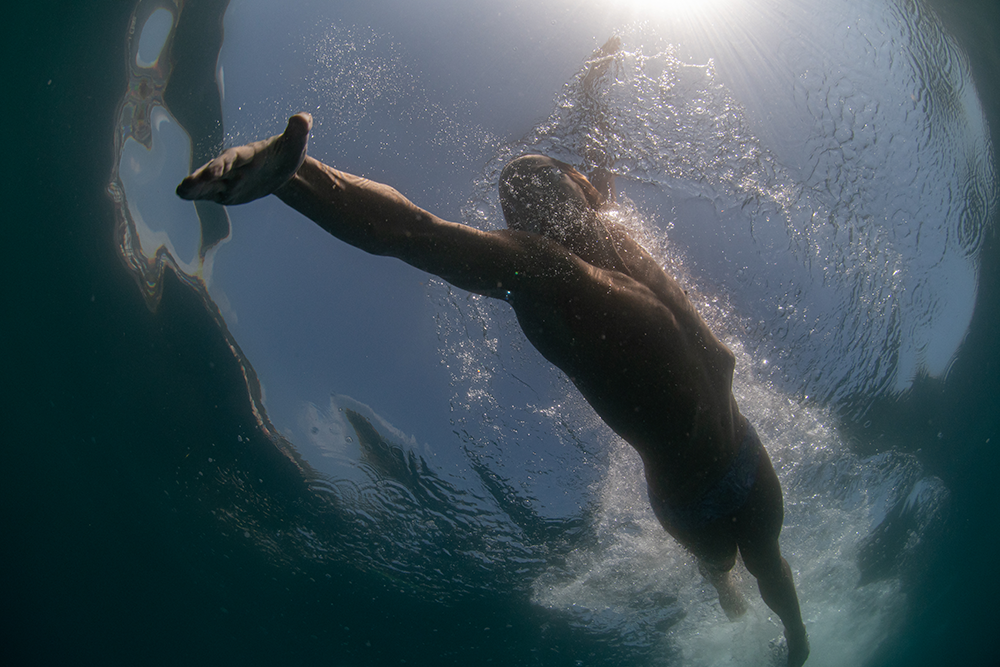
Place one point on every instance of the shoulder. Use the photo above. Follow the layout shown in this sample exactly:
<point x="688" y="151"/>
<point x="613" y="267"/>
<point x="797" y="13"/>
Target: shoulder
<point x="492" y="263"/>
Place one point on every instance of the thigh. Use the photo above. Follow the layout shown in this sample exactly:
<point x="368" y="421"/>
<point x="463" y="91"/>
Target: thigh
<point x="714" y="544"/>
<point x="757" y="524"/>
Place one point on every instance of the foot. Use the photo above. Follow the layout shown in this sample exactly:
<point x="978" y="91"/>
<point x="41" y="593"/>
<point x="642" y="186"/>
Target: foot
<point x="798" y="647"/>
<point x="730" y="597"/>
<point x="250" y="172"/>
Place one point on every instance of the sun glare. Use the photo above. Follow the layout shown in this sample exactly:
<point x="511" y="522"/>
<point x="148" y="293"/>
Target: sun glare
<point x="711" y="23"/>
<point x="658" y="8"/>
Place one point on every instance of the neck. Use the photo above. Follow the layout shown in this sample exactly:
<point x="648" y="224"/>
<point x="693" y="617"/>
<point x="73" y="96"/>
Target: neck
<point x="594" y="245"/>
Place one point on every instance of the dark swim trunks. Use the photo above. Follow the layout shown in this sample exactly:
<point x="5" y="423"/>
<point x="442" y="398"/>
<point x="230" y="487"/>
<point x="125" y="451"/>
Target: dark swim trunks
<point x="725" y="498"/>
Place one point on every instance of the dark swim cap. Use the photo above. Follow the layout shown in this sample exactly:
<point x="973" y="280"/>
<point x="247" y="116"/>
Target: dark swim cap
<point x="545" y="196"/>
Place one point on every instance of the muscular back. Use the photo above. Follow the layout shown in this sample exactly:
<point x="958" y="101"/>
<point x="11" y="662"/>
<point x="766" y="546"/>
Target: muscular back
<point x="634" y="345"/>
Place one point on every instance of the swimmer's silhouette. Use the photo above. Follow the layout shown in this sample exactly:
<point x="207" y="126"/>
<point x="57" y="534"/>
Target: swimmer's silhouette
<point x="596" y="305"/>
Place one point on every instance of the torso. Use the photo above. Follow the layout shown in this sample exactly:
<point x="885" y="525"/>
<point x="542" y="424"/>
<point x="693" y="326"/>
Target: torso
<point x="648" y="364"/>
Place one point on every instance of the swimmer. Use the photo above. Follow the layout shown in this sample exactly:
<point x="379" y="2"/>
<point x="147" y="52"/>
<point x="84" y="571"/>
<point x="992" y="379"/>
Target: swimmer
<point x="597" y="306"/>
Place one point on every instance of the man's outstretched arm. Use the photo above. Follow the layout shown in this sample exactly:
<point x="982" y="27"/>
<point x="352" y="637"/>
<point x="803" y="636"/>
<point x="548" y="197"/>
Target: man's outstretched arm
<point x="378" y="219"/>
<point x="372" y="216"/>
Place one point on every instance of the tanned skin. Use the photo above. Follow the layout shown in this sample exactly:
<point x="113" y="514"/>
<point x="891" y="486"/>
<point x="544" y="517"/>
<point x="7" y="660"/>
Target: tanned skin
<point x="596" y="305"/>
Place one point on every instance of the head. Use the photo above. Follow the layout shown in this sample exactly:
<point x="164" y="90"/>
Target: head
<point x="548" y="197"/>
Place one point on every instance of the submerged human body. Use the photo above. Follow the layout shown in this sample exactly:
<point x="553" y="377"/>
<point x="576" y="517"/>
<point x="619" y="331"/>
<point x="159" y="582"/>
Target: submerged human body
<point x="597" y="306"/>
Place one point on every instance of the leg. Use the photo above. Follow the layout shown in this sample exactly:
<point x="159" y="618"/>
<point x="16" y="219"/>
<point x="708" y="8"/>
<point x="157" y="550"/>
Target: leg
<point x="758" y="524"/>
<point x="730" y="597"/>
<point x="715" y="548"/>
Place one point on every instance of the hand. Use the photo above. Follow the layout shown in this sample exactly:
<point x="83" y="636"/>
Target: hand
<point x="600" y="61"/>
<point x="246" y="173"/>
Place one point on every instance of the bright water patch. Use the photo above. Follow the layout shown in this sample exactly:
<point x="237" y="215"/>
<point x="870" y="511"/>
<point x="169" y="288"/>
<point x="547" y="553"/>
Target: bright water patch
<point x="154" y="35"/>
<point x="154" y="230"/>
<point x="163" y="223"/>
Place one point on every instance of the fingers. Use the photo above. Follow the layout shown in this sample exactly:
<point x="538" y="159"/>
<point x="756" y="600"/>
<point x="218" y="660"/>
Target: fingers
<point x="185" y="190"/>
<point x="208" y="181"/>
<point x="249" y="172"/>
<point x="199" y="185"/>
<point x="192" y="185"/>
<point x="600" y="62"/>
<point x="190" y="188"/>
<point x="237" y="157"/>
<point x="611" y="46"/>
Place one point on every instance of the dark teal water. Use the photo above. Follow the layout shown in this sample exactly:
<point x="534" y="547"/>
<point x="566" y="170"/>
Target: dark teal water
<point x="110" y="550"/>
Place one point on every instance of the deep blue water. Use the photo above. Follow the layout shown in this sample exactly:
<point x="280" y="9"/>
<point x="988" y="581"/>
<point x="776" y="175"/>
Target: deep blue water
<point x="147" y="518"/>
